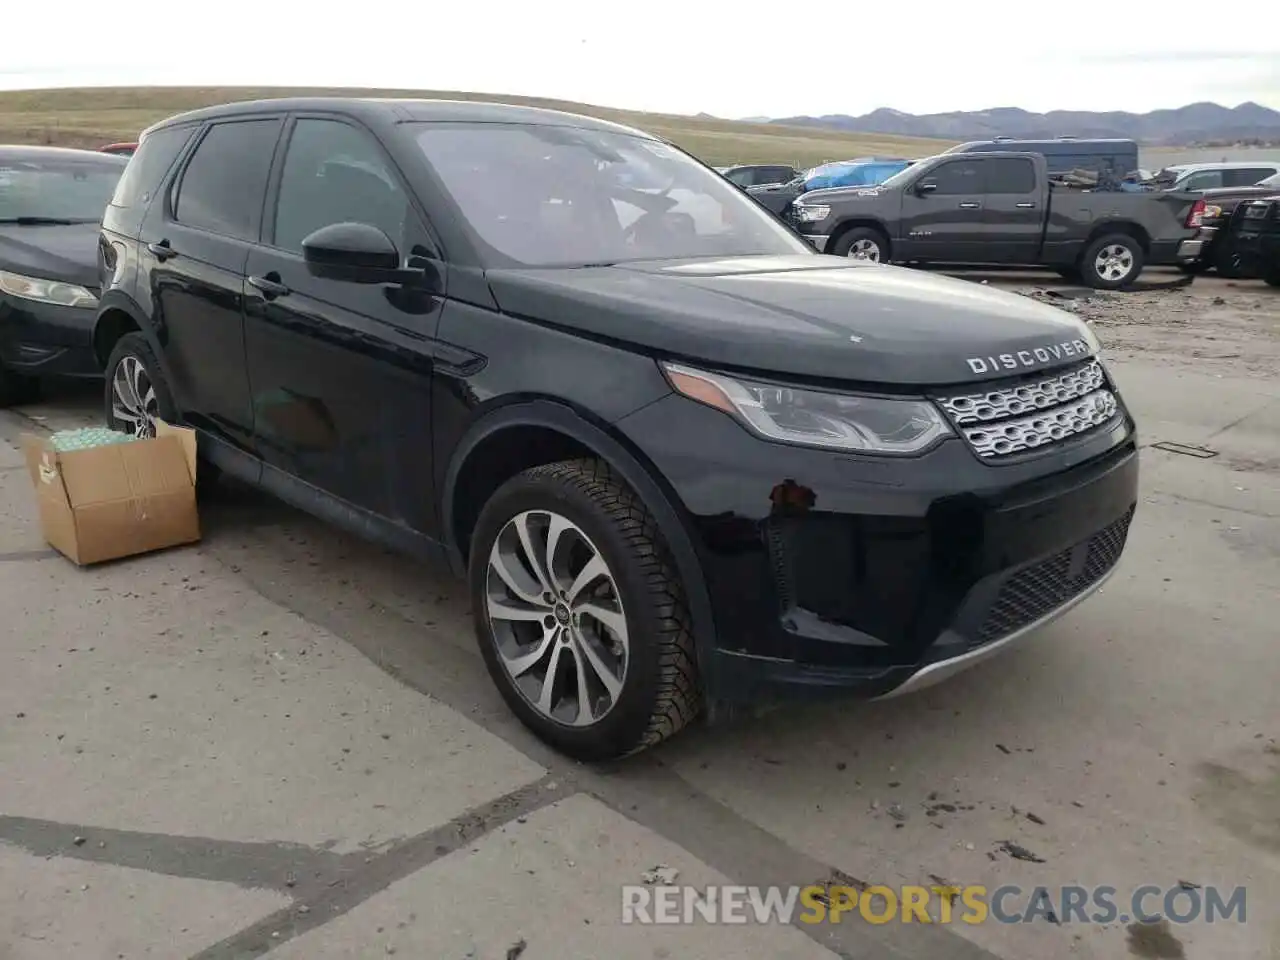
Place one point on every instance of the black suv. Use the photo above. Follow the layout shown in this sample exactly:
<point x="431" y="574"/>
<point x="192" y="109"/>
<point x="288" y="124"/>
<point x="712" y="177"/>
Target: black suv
<point x="1253" y="239"/>
<point x="685" y="461"/>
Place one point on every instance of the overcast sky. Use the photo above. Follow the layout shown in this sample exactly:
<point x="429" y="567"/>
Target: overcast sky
<point x="678" y="56"/>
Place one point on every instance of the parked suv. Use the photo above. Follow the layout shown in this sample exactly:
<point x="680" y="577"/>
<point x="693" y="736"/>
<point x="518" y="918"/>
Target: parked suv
<point x="684" y="461"/>
<point x="1253" y="237"/>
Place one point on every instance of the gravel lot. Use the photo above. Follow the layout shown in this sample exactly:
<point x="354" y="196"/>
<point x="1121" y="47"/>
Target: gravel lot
<point x="283" y="738"/>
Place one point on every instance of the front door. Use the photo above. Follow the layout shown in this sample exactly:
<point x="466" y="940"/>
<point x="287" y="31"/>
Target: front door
<point x="946" y="223"/>
<point x="193" y="247"/>
<point x="340" y="371"/>
<point x="1012" y="210"/>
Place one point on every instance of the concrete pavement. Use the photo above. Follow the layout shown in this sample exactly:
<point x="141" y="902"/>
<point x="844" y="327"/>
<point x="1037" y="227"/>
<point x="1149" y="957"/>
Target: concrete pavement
<point x="283" y="740"/>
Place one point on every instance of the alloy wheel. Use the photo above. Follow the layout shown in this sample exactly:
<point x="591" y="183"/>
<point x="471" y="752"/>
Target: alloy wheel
<point x="865" y="249"/>
<point x="1114" y="262"/>
<point x="556" y="617"/>
<point x="133" y="398"/>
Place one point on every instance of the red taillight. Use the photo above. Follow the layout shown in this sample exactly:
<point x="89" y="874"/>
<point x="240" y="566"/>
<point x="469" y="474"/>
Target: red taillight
<point x="1196" y="215"/>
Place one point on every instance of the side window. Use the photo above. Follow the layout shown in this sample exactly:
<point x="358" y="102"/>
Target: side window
<point x="148" y="166"/>
<point x="743" y="178"/>
<point x="335" y="173"/>
<point x="1015" y="175"/>
<point x="1246" y="177"/>
<point x="958" y="176"/>
<point x="778" y="174"/>
<point x="1204" y="180"/>
<point x="223" y="185"/>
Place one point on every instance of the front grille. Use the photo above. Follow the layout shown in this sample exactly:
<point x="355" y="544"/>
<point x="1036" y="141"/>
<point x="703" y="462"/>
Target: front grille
<point x="1036" y="591"/>
<point x="1026" y="416"/>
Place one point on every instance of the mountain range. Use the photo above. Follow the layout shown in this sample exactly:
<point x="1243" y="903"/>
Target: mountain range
<point x="1196" y="123"/>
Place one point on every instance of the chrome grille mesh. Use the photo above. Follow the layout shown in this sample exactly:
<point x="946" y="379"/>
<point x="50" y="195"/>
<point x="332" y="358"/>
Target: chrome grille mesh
<point x="1015" y="419"/>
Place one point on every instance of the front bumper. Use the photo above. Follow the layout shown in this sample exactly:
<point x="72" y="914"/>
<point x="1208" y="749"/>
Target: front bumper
<point x="40" y="339"/>
<point x="897" y="573"/>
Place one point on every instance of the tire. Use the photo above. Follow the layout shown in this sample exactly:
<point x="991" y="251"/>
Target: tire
<point x="16" y="389"/>
<point x="1226" y="263"/>
<point x="659" y="692"/>
<point x="867" y="241"/>
<point x="1119" y="250"/>
<point x="133" y="355"/>
<point x="1272" y="279"/>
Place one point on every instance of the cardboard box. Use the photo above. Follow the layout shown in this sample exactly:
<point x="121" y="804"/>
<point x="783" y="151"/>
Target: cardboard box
<point x="117" y="500"/>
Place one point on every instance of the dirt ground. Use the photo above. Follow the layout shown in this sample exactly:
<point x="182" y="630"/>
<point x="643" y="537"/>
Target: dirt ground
<point x="282" y="740"/>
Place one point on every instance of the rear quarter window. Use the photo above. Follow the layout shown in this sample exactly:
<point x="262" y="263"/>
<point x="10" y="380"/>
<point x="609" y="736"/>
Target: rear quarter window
<point x="148" y="166"/>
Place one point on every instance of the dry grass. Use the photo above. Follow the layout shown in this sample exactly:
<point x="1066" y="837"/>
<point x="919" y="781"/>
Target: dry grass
<point x="93" y="116"/>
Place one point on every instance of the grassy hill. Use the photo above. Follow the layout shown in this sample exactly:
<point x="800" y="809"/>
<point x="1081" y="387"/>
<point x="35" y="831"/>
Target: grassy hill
<point x="93" y="116"/>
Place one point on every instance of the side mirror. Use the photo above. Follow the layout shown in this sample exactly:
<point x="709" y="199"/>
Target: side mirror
<point x="925" y="187"/>
<point x="355" y="252"/>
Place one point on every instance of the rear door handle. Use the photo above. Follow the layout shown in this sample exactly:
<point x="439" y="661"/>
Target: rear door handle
<point x="162" y="251"/>
<point x="969" y="205"/>
<point x="270" y="285"/>
<point x="1026" y="206"/>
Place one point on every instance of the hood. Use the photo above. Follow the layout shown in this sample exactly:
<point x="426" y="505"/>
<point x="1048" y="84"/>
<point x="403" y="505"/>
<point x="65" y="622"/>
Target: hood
<point x="68" y="253"/>
<point x="842" y="194"/>
<point x="806" y="316"/>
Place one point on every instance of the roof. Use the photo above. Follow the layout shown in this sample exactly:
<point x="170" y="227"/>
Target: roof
<point x="1224" y="165"/>
<point x="406" y="110"/>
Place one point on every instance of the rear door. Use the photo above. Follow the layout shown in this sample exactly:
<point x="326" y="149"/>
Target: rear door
<point x="1011" y="210"/>
<point x="946" y="223"/>
<point x="1247" y="176"/>
<point x="341" y="371"/>
<point x="193" y="249"/>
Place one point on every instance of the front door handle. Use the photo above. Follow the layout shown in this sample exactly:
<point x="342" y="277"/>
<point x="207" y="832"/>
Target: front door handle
<point x="1026" y="206"/>
<point x="270" y="285"/>
<point x="162" y="251"/>
<point x="969" y="205"/>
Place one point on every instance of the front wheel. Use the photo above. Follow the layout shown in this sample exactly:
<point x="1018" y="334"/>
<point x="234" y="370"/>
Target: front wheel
<point x="16" y="388"/>
<point x="862" y="243"/>
<point x="1273" y="278"/>
<point x="1111" y="262"/>
<point x="579" y="612"/>
<point x="1227" y="263"/>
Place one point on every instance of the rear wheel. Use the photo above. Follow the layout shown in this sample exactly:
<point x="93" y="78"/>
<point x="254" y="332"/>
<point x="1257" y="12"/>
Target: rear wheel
<point x="1111" y="262"/>
<point x="1226" y="262"/>
<point x="136" y="394"/>
<point x="579" y="613"/>
<point x="862" y="243"/>
<point x="1273" y="278"/>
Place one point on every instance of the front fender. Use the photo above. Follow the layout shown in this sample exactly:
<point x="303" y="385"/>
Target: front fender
<point x="628" y="463"/>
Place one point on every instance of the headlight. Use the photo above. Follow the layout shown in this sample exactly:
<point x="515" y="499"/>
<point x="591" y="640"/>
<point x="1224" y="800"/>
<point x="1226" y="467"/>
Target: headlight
<point x="811" y="212"/>
<point x="813" y="418"/>
<point x="46" y="291"/>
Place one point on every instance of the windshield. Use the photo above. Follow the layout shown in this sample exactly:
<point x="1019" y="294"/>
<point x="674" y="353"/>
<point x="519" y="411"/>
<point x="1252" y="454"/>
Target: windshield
<point x="75" y="189"/>
<point x="552" y="196"/>
<point x="905" y="174"/>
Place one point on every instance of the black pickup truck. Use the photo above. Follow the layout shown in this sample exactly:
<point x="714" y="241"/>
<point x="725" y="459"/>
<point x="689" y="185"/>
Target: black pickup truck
<point x="997" y="208"/>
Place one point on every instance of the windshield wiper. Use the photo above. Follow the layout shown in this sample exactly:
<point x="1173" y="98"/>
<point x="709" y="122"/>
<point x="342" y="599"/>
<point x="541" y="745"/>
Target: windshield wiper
<point x="47" y="221"/>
